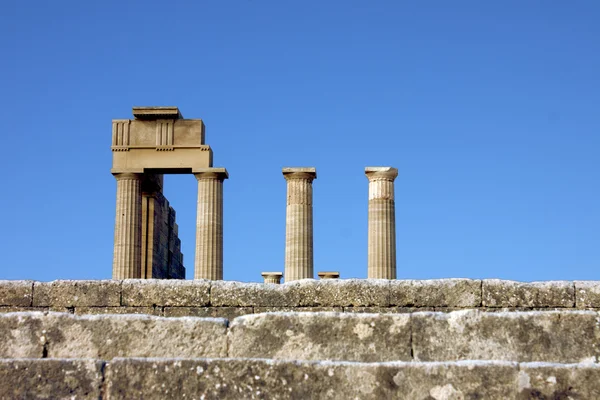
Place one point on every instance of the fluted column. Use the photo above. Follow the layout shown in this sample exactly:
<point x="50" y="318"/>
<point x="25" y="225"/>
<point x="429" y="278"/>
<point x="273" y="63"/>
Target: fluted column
<point x="209" y="224"/>
<point x="128" y="227"/>
<point x="299" y="223"/>
<point x="382" y="223"/>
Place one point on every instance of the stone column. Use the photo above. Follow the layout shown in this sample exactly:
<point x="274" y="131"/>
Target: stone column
<point x="382" y="223"/>
<point x="299" y="223"/>
<point x="128" y="227"/>
<point x="209" y="224"/>
<point x="272" y="277"/>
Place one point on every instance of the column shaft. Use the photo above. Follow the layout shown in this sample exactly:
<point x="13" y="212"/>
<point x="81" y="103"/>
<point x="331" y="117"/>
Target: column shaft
<point x="299" y="224"/>
<point x="128" y="227"/>
<point x="382" y="223"/>
<point x="209" y="225"/>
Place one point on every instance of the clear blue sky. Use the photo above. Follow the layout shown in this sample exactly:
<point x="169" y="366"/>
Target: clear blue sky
<point x="490" y="111"/>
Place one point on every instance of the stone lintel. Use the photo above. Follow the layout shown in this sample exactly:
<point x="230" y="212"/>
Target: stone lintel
<point x="207" y="172"/>
<point x="154" y="113"/>
<point x="381" y="172"/>
<point x="328" y="274"/>
<point x="299" y="172"/>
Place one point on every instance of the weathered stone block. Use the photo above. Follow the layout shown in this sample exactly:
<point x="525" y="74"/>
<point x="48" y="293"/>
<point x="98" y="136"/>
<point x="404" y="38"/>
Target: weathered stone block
<point x="435" y="293"/>
<point x="321" y="336"/>
<point x="21" y="335"/>
<point x="101" y="293"/>
<point x="239" y="294"/>
<point x="587" y="294"/>
<point x="550" y="336"/>
<point x="302" y="293"/>
<point x="7" y="309"/>
<point x="170" y="292"/>
<point x="252" y="378"/>
<point x="107" y="336"/>
<point x="117" y="310"/>
<point x="500" y="293"/>
<point x="50" y="379"/>
<point x="215" y="312"/>
<point x="16" y="293"/>
<point x="555" y="381"/>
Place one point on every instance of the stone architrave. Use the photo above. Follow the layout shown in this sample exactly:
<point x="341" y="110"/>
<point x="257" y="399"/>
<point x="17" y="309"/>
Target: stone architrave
<point x="128" y="227"/>
<point x="209" y="224"/>
<point x="299" y="223"/>
<point x="382" y="223"/>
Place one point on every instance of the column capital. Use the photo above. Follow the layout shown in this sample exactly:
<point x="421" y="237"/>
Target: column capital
<point x="122" y="176"/>
<point x="308" y="173"/>
<point x="381" y="173"/>
<point x="211" y="173"/>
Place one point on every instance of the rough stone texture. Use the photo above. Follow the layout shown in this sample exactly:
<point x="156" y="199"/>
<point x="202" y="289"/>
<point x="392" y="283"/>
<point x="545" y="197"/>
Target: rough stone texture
<point x="215" y="312"/>
<point x="321" y="336"/>
<point x="99" y="293"/>
<point x="587" y="294"/>
<point x="117" y="310"/>
<point x="252" y="378"/>
<point x="302" y="293"/>
<point x="170" y="292"/>
<point x="59" y="335"/>
<point x="518" y="336"/>
<point x="500" y="293"/>
<point x="21" y="335"/>
<point x="555" y="381"/>
<point x="16" y="293"/>
<point x="7" y="309"/>
<point x="50" y="379"/>
<point x="435" y="293"/>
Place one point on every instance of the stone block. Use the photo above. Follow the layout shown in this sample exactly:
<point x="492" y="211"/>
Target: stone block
<point x="116" y="310"/>
<point x="228" y="313"/>
<point x="587" y="294"/>
<point x="50" y="379"/>
<point x="501" y="293"/>
<point x="21" y="335"/>
<point x="255" y="378"/>
<point x="100" y="293"/>
<point x="302" y="293"/>
<point x="435" y="293"/>
<point x="16" y="293"/>
<point x="549" y="336"/>
<point x="556" y="381"/>
<point x="321" y="336"/>
<point x="169" y="292"/>
<point x="7" y="309"/>
<point x="107" y="336"/>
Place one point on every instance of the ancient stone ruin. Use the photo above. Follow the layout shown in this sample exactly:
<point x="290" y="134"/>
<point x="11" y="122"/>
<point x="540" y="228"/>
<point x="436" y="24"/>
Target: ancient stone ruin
<point x="133" y="337"/>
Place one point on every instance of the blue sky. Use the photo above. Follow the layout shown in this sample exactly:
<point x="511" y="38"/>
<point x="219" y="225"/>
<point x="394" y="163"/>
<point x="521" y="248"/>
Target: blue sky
<point x="488" y="109"/>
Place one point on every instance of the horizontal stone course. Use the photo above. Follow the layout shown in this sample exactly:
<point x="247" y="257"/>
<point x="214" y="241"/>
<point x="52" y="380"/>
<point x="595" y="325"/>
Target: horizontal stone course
<point x="51" y="379"/>
<point x="16" y="293"/>
<point x="502" y="293"/>
<point x="559" y="381"/>
<point x="438" y="294"/>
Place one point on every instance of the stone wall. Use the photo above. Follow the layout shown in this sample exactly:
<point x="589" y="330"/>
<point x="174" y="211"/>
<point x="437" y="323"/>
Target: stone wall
<point x="229" y="299"/>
